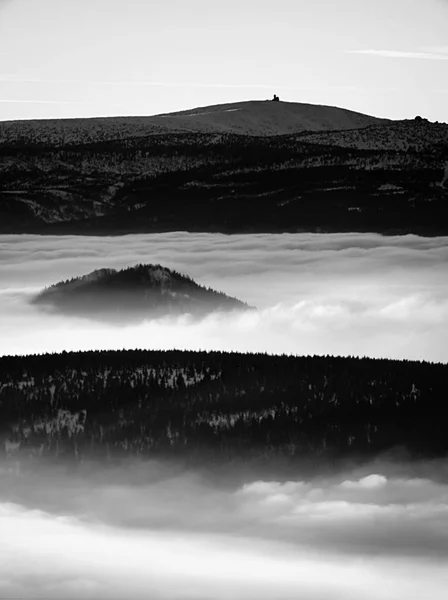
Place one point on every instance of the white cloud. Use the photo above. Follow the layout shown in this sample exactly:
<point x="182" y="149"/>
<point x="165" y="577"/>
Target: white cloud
<point x="145" y="83"/>
<point x="369" y="482"/>
<point x="21" y="101"/>
<point x="145" y="529"/>
<point x="11" y="78"/>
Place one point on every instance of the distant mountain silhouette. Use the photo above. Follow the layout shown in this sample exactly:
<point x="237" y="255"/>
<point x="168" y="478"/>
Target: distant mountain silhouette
<point x="253" y="117"/>
<point x="266" y="118"/>
<point x="135" y="293"/>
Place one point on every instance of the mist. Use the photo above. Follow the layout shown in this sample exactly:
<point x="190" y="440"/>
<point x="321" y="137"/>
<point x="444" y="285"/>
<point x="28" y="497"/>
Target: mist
<point x="153" y="529"/>
<point x="344" y="294"/>
<point x="147" y="530"/>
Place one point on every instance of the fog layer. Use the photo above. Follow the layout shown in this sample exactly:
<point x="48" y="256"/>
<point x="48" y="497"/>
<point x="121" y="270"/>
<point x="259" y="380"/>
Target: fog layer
<point x="347" y="294"/>
<point x="141" y="531"/>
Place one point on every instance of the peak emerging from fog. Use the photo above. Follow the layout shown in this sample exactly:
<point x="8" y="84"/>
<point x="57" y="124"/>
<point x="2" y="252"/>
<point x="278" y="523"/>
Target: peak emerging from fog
<point x="96" y="275"/>
<point x="255" y="117"/>
<point x="142" y="291"/>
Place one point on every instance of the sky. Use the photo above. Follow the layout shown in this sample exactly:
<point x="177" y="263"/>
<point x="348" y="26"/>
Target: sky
<point x="340" y="294"/>
<point x="83" y="58"/>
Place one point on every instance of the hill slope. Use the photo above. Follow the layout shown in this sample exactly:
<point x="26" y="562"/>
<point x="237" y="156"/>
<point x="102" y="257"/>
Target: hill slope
<point x="268" y="118"/>
<point x="245" y="118"/>
<point x="226" y="405"/>
<point x="143" y="291"/>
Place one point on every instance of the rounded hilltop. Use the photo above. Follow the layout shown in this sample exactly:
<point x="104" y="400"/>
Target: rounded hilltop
<point x="250" y="117"/>
<point x="267" y="118"/>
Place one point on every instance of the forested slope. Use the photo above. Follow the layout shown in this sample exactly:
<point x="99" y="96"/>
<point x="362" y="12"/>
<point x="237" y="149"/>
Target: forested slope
<point x="219" y="406"/>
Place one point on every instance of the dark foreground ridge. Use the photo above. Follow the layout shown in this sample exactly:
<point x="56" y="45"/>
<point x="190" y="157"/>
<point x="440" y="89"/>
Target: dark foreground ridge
<point x="239" y="168"/>
<point x="135" y="293"/>
<point x="219" y="407"/>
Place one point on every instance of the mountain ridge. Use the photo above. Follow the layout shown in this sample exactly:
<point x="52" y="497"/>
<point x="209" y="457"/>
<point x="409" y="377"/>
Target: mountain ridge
<point x="384" y="178"/>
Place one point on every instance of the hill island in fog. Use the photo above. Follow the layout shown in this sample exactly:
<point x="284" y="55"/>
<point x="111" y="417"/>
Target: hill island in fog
<point x="135" y="293"/>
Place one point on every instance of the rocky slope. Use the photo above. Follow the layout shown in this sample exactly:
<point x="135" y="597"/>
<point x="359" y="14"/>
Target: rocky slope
<point x="219" y="406"/>
<point x="194" y="172"/>
<point x="134" y="294"/>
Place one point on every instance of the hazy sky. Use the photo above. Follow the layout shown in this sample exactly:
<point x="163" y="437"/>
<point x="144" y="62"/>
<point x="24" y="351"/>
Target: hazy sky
<point x="67" y="58"/>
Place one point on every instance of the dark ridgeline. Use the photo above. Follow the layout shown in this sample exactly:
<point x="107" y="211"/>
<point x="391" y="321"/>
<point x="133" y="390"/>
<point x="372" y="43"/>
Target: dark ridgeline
<point x="221" y="407"/>
<point x="142" y="291"/>
<point x="263" y="166"/>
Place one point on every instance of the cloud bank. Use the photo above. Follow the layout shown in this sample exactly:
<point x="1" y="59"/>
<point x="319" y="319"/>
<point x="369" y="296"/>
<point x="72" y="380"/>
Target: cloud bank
<point x="145" y="531"/>
<point x="344" y="294"/>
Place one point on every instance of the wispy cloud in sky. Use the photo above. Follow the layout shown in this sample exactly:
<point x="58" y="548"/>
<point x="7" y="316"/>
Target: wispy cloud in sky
<point x="402" y="54"/>
<point x="8" y="78"/>
<point x="12" y="79"/>
<point x="14" y="101"/>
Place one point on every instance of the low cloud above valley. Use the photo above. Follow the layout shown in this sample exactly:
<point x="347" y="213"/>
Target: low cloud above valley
<point x="142" y="529"/>
<point x="139" y="529"/>
<point x="345" y="294"/>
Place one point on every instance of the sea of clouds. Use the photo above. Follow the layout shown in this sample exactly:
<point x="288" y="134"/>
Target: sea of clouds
<point x="143" y="530"/>
<point x="152" y="530"/>
<point x="344" y="294"/>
